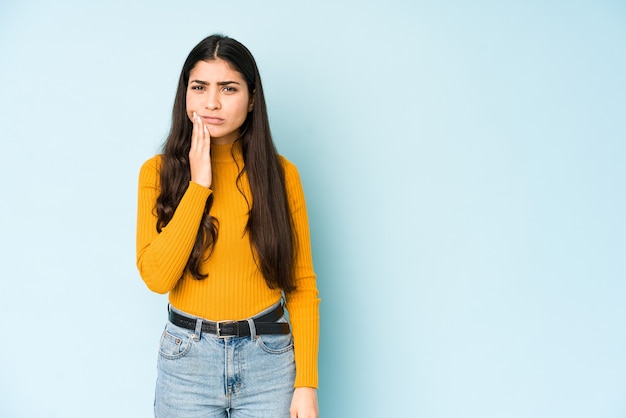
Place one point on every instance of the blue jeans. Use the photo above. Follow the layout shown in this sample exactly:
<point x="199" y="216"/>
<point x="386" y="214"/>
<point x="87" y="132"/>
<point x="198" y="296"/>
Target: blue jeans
<point x="200" y="375"/>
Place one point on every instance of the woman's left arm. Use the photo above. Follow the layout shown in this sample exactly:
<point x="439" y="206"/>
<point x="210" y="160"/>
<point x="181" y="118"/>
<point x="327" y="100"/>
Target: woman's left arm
<point x="302" y="303"/>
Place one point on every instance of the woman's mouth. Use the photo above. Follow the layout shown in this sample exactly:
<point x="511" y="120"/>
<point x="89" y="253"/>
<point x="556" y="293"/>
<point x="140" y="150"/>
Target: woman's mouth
<point x="212" y="120"/>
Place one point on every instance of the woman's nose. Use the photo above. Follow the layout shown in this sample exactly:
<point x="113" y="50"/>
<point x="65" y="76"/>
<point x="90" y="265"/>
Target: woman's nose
<point x="212" y="100"/>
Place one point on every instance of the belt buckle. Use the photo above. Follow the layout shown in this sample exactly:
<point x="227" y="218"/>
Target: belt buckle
<point x="218" y="330"/>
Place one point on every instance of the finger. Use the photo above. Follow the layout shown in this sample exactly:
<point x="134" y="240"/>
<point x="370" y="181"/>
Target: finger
<point x="194" y="132"/>
<point x="203" y="136"/>
<point x="207" y="137"/>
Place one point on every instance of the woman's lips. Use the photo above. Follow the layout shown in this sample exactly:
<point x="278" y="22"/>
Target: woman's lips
<point x="212" y="120"/>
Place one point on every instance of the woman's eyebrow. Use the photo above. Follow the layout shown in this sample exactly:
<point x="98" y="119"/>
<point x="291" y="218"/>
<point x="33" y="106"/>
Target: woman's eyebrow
<point x="219" y="83"/>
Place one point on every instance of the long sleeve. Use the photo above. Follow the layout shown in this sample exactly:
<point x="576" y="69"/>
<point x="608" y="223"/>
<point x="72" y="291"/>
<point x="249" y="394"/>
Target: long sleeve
<point x="303" y="303"/>
<point x="161" y="258"/>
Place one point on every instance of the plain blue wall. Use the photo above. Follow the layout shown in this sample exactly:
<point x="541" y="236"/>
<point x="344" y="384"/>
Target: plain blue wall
<point x="464" y="164"/>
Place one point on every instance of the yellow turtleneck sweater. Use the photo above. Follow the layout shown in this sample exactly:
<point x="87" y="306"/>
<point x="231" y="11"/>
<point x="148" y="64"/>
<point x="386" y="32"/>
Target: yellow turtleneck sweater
<point x="235" y="288"/>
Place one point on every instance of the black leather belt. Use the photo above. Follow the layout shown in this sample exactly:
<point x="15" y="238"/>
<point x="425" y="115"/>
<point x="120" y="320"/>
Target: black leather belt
<point x="264" y="324"/>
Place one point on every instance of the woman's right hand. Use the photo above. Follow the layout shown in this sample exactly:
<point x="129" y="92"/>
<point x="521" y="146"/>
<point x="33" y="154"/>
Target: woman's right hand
<point x="200" y="153"/>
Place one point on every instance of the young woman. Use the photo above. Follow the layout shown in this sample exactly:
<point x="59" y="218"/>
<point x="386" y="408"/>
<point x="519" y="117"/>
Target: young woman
<point x="222" y="227"/>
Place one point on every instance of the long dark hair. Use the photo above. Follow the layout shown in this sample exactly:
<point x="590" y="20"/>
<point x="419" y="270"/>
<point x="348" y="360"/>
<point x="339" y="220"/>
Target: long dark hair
<point x="269" y="220"/>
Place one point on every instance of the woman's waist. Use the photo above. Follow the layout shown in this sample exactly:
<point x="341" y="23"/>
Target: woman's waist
<point x="224" y="305"/>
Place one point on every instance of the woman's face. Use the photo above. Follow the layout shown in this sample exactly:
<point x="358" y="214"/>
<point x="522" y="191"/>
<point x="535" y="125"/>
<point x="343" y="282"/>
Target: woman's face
<point x="219" y="95"/>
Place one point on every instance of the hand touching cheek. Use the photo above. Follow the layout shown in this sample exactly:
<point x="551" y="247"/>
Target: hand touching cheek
<point x="200" y="153"/>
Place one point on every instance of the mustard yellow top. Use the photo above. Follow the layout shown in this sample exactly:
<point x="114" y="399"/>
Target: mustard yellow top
<point x="235" y="288"/>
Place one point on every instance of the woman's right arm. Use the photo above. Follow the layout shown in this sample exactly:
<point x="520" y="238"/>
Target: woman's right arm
<point x="162" y="257"/>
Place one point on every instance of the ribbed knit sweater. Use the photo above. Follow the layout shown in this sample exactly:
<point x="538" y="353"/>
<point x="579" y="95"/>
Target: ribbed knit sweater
<point x="235" y="288"/>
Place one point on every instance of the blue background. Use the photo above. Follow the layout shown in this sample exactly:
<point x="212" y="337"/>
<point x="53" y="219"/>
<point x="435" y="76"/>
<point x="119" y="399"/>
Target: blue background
<point x="464" y="165"/>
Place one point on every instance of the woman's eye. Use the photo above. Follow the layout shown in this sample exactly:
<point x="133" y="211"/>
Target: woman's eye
<point x="228" y="89"/>
<point x="197" y="87"/>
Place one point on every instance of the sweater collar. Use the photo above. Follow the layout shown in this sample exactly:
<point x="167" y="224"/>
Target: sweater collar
<point x="225" y="153"/>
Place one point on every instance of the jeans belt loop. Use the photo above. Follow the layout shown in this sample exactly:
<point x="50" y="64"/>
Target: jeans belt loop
<point x="252" y="329"/>
<point x="198" y="331"/>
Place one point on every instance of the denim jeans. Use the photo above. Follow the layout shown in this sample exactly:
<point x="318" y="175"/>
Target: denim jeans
<point x="200" y="375"/>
